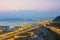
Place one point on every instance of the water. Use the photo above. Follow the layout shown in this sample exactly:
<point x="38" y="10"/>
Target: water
<point x="16" y="23"/>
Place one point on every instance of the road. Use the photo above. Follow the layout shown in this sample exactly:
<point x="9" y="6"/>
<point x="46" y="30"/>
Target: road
<point x="16" y="32"/>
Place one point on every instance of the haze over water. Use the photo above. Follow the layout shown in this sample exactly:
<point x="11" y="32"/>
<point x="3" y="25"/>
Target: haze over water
<point x="28" y="9"/>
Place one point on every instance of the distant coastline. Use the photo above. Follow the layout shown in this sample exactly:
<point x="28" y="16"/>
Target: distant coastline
<point x="23" y="19"/>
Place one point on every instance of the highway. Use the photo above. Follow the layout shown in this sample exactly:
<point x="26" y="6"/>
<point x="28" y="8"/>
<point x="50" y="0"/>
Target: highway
<point x="16" y="32"/>
<point x="28" y="28"/>
<point x="54" y="29"/>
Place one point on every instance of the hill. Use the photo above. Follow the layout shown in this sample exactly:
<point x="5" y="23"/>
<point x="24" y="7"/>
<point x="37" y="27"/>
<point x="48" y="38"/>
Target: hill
<point x="57" y="18"/>
<point x="56" y="22"/>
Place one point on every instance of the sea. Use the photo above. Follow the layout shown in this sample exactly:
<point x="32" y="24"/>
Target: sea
<point x="16" y="23"/>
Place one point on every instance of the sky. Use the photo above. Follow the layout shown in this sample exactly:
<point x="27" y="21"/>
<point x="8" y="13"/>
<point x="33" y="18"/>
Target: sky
<point x="36" y="5"/>
<point x="26" y="5"/>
